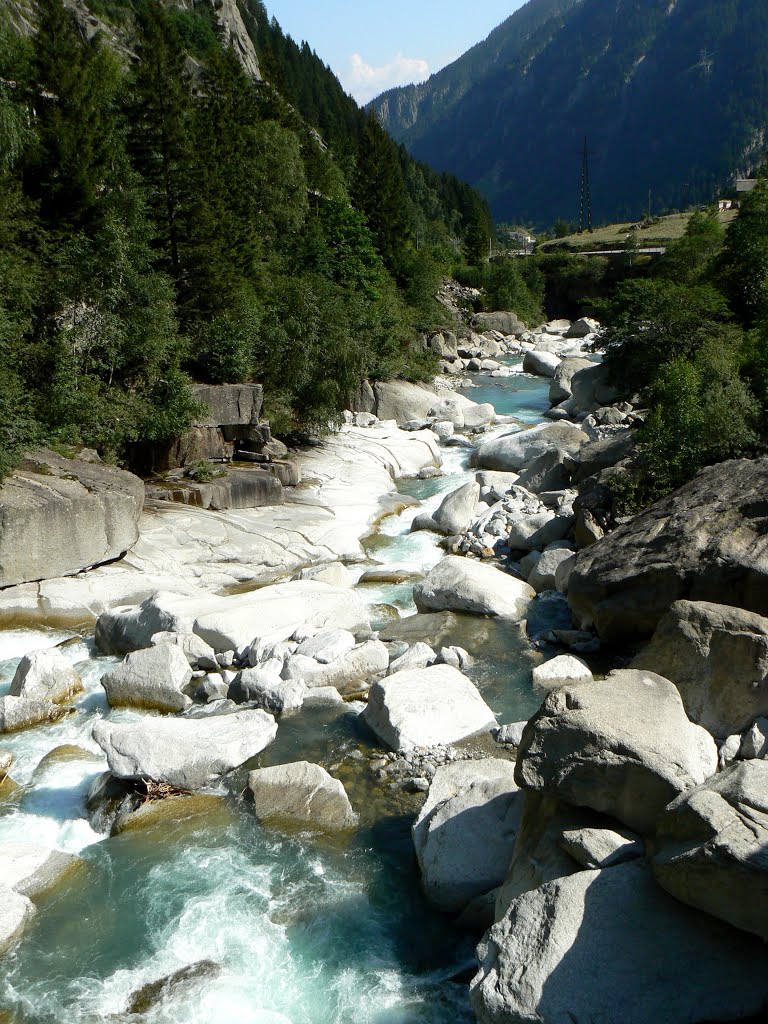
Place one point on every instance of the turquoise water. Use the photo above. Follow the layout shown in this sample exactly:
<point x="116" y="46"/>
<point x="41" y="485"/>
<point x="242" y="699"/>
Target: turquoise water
<point x="304" y="931"/>
<point x="522" y="396"/>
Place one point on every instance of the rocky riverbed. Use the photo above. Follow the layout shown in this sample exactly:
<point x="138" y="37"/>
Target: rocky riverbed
<point x="293" y="763"/>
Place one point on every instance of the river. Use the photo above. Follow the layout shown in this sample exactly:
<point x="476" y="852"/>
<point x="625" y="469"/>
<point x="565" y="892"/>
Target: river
<point x="306" y="931"/>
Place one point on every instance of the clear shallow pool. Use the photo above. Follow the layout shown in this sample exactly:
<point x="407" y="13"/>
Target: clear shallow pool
<point x="304" y="932"/>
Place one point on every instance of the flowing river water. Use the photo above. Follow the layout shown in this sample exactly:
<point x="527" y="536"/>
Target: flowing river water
<point x="305" y="931"/>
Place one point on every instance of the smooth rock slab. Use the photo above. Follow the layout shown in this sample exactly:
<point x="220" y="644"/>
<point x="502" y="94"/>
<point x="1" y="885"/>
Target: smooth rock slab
<point x="301" y="794"/>
<point x="611" y="946"/>
<point x="465" y="832"/>
<point x="426" y="708"/>
<point x="622" y="746"/>
<point x="30" y="869"/>
<point x="712" y="847"/>
<point x="16" y="912"/>
<point x="464" y="585"/>
<point x="154" y="678"/>
<point x="185" y="753"/>
<point x="46" y="675"/>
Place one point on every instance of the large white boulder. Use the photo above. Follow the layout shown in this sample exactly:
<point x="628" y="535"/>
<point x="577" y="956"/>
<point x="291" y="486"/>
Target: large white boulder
<point x="457" y="509"/>
<point x="465" y="832"/>
<point x="612" y="946"/>
<point x="465" y="585"/>
<point x="232" y="623"/>
<point x="154" y="678"/>
<point x="540" y="362"/>
<point x="426" y="708"/>
<point x="301" y="794"/>
<point x="46" y="675"/>
<point x="511" y="452"/>
<point x="623" y="746"/>
<point x="367" y="659"/>
<point x="62" y="515"/>
<point x="327" y="645"/>
<point x="185" y="753"/>
<point x="17" y="713"/>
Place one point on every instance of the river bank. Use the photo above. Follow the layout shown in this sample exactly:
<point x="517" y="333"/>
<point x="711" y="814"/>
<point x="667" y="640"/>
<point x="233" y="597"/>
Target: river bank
<point x="371" y="947"/>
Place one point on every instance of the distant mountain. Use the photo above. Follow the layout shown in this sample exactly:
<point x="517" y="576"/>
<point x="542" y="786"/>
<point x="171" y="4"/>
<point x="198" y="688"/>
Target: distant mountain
<point x="671" y="94"/>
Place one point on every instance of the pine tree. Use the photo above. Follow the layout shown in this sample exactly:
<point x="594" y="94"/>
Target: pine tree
<point x="160" y="142"/>
<point x="72" y="86"/>
<point x="379" y="191"/>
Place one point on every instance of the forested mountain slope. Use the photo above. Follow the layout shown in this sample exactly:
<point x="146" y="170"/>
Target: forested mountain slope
<point x="672" y="95"/>
<point x="187" y="194"/>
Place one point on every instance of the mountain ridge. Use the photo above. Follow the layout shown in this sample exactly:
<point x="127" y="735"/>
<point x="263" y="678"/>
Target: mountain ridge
<point x="672" y="95"/>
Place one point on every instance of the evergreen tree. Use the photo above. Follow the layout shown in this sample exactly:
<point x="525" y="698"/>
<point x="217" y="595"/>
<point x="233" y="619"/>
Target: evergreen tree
<point x="72" y="87"/>
<point x="743" y="267"/>
<point x="379" y="191"/>
<point x="159" y="114"/>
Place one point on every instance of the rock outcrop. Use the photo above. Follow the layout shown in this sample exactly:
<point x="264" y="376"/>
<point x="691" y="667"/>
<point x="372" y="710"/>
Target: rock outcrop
<point x="59" y="516"/>
<point x="706" y="542"/>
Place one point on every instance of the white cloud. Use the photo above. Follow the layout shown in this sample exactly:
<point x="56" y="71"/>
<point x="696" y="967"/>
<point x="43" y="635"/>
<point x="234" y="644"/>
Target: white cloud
<point x="365" y="81"/>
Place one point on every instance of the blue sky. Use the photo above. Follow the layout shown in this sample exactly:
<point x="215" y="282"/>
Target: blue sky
<point x="375" y="44"/>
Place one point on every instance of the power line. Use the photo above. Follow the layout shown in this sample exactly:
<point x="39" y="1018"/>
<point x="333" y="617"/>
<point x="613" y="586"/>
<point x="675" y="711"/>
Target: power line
<point x="585" y="207"/>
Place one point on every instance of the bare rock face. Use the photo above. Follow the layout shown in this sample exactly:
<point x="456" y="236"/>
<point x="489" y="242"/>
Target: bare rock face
<point x="236" y="35"/>
<point x="229" y="405"/>
<point x="706" y="542"/>
<point x="717" y="657"/>
<point x="59" y="516"/>
<point x="712" y="847"/>
<point x="612" y="946"/>
<point x="623" y="747"/>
